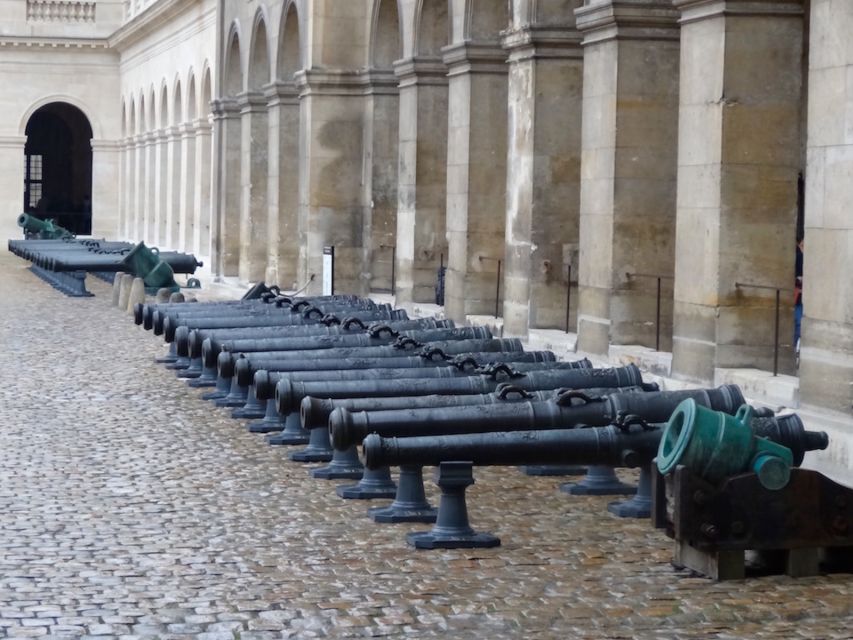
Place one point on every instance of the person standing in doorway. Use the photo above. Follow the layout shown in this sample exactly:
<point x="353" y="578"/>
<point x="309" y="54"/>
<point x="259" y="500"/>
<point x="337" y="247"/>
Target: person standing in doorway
<point x="798" y="294"/>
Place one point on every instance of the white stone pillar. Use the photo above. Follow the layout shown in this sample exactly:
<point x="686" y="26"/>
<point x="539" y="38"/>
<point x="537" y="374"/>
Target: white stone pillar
<point x="138" y="188"/>
<point x="421" y="177"/>
<point x="148" y="228"/>
<point x="628" y="168"/>
<point x="173" y="187"/>
<point x="161" y="189"/>
<point x="283" y="184"/>
<point x="330" y="134"/>
<point x="253" y="202"/>
<point x="379" y="194"/>
<point x="11" y="185"/>
<point x="826" y="351"/>
<point x="187" y="216"/>
<point x="543" y="174"/>
<point x="476" y="176"/>
<point x="201" y="190"/>
<point x="227" y="141"/>
<point x="739" y="154"/>
<point x="105" y="188"/>
<point x="122" y="188"/>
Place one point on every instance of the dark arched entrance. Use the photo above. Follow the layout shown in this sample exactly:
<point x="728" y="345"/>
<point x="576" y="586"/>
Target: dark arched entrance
<point x="58" y="166"/>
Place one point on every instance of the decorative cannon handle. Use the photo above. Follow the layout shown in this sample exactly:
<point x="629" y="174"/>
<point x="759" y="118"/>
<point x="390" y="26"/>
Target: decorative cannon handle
<point x="350" y="322"/>
<point x="313" y="312"/>
<point x="567" y="397"/>
<point x="406" y="343"/>
<point x="381" y="330"/>
<point x="329" y="319"/>
<point x="504" y="390"/>
<point x="496" y="370"/>
<point x="624" y="422"/>
<point x="433" y="354"/>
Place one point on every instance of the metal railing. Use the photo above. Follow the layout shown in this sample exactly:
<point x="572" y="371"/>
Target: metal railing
<point x="778" y="290"/>
<point x="383" y="247"/>
<point x="659" y="277"/>
<point x="569" y="284"/>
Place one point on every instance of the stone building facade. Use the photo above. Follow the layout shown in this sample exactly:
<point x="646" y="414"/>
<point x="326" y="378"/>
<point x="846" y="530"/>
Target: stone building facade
<point x="649" y="163"/>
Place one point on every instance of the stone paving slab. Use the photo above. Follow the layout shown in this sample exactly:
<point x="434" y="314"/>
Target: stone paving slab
<point x="130" y="508"/>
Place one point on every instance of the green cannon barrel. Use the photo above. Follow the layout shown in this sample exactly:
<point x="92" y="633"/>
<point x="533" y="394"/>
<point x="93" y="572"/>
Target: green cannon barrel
<point x="44" y="229"/>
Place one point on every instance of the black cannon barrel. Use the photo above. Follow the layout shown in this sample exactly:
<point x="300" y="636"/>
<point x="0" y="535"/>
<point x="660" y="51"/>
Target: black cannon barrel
<point x="395" y="349"/>
<point x="379" y="369"/>
<point x="341" y="325"/>
<point x="289" y="394"/>
<point x="265" y="380"/>
<point x="284" y="345"/>
<point x="143" y="314"/>
<point x="315" y="412"/>
<point x="205" y="322"/>
<point x="193" y="315"/>
<point x="567" y="410"/>
<point x="246" y="365"/>
<point x="611" y="446"/>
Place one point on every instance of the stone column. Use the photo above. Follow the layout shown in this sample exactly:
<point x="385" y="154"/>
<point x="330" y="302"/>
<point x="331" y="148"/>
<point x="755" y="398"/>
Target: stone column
<point x="128" y="184"/>
<point x="173" y="188"/>
<point x="105" y="188"/>
<point x="738" y="164"/>
<point x="330" y="147"/>
<point x="379" y="195"/>
<point x="226" y="127"/>
<point x="283" y="184"/>
<point x="826" y="346"/>
<point x="629" y="168"/>
<point x="201" y="190"/>
<point x="138" y="186"/>
<point x="543" y="174"/>
<point x="186" y="214"/>
<point x="161" y="188"/>
<point x="421" y="177"/>
<point x="476" y="176"/>
<point x="253" y="201"/>
<point x="150" y="153"/>
<point x="11" y="182"/>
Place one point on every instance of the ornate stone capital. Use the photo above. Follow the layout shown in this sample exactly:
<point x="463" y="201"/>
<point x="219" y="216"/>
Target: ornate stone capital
<point x="224" y="108"/>
<point x="474" y="57"/>
<point x="251" y="102"/>
<point x="531" y="41"/>
<point x="628" y="20"/>
<point x="329" y="83"/>
<point x="695" y="10"/>
<point x="426" y="70"/>
<point x="281" y="93"/>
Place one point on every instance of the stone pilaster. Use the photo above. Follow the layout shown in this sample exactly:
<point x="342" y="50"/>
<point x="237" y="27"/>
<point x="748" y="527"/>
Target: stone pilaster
<point x="330" y="213"/>
<point x="476" y="175"/>
<point x="161" y="188"/>
<point x="283" y="184"/>
<point x="11" y="181"/>
<point x="150" y="153"/>
<point x="628" y="172"/>
<point x="738" y="163"/>
<point x="138" y="187"/>
<point x="253" y="182"/>
<point x="543" y="174"/>
<point x="201" y="190"/>
<point x="186" y="213"/>
<point x="128" y="188"/>
<point x="227" y="142"/>
<point x="379" y="194"/>
<point x="826" y="351"/>
<point x="173" y="187"/>
<point x="105" y="195"/>
<point x="421" y="177"/>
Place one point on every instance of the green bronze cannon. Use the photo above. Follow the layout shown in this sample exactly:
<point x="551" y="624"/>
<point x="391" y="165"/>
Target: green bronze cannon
<point x="43" y="229"/>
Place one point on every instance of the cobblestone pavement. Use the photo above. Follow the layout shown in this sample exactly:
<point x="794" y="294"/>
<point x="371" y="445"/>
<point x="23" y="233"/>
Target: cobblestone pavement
<point x="131" y="508"/>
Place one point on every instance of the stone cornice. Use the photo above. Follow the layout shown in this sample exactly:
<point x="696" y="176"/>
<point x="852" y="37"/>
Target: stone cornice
<point x="329" y="83"/>
<point x="41" y="42"/>
<point x="13" y="142"/>
<point x="251" y="102"/>
<point x="223" y="108"/>
<point x="106" y="145"/>
<point x="173" y="133"/>
<point x="202" y="126"/>
<point x="149" y="20"/>
<point x="280" y="93"/>
<point x="187" y="130"/>
<point x="695" y="10"/>
<point x="541" y="42"/>
<point x="474" y="57"/>
<point x="420" y="70"/>
<point x="628" y="20"/>
<point x="380" y="82"/>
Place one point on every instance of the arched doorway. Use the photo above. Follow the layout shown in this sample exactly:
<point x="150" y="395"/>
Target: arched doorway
<point x="58" y="166"/>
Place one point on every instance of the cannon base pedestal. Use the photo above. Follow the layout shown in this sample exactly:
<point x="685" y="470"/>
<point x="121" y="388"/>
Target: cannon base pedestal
<point x="553" y="470"/>
<point x="451" y="530"/>
<point x="319" y="448"/>
<point x="374" y="484"/>
<point x="410" y="503"/>
<point x="599" y="481"/>
<point x="345" y="465"/>
<point x="640" y="506"/>
<point x="804" y="528"/>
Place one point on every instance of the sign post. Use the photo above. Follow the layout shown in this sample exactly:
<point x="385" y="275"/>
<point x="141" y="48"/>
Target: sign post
<point x="328" y="271"/>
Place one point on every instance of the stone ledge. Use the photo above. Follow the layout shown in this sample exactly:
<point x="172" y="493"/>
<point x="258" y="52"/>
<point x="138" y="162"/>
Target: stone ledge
<point x="774" y="391"/>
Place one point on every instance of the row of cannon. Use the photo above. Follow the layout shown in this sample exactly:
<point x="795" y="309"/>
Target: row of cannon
<point x="64" y="262"/>
<point x="336" y="372"/>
